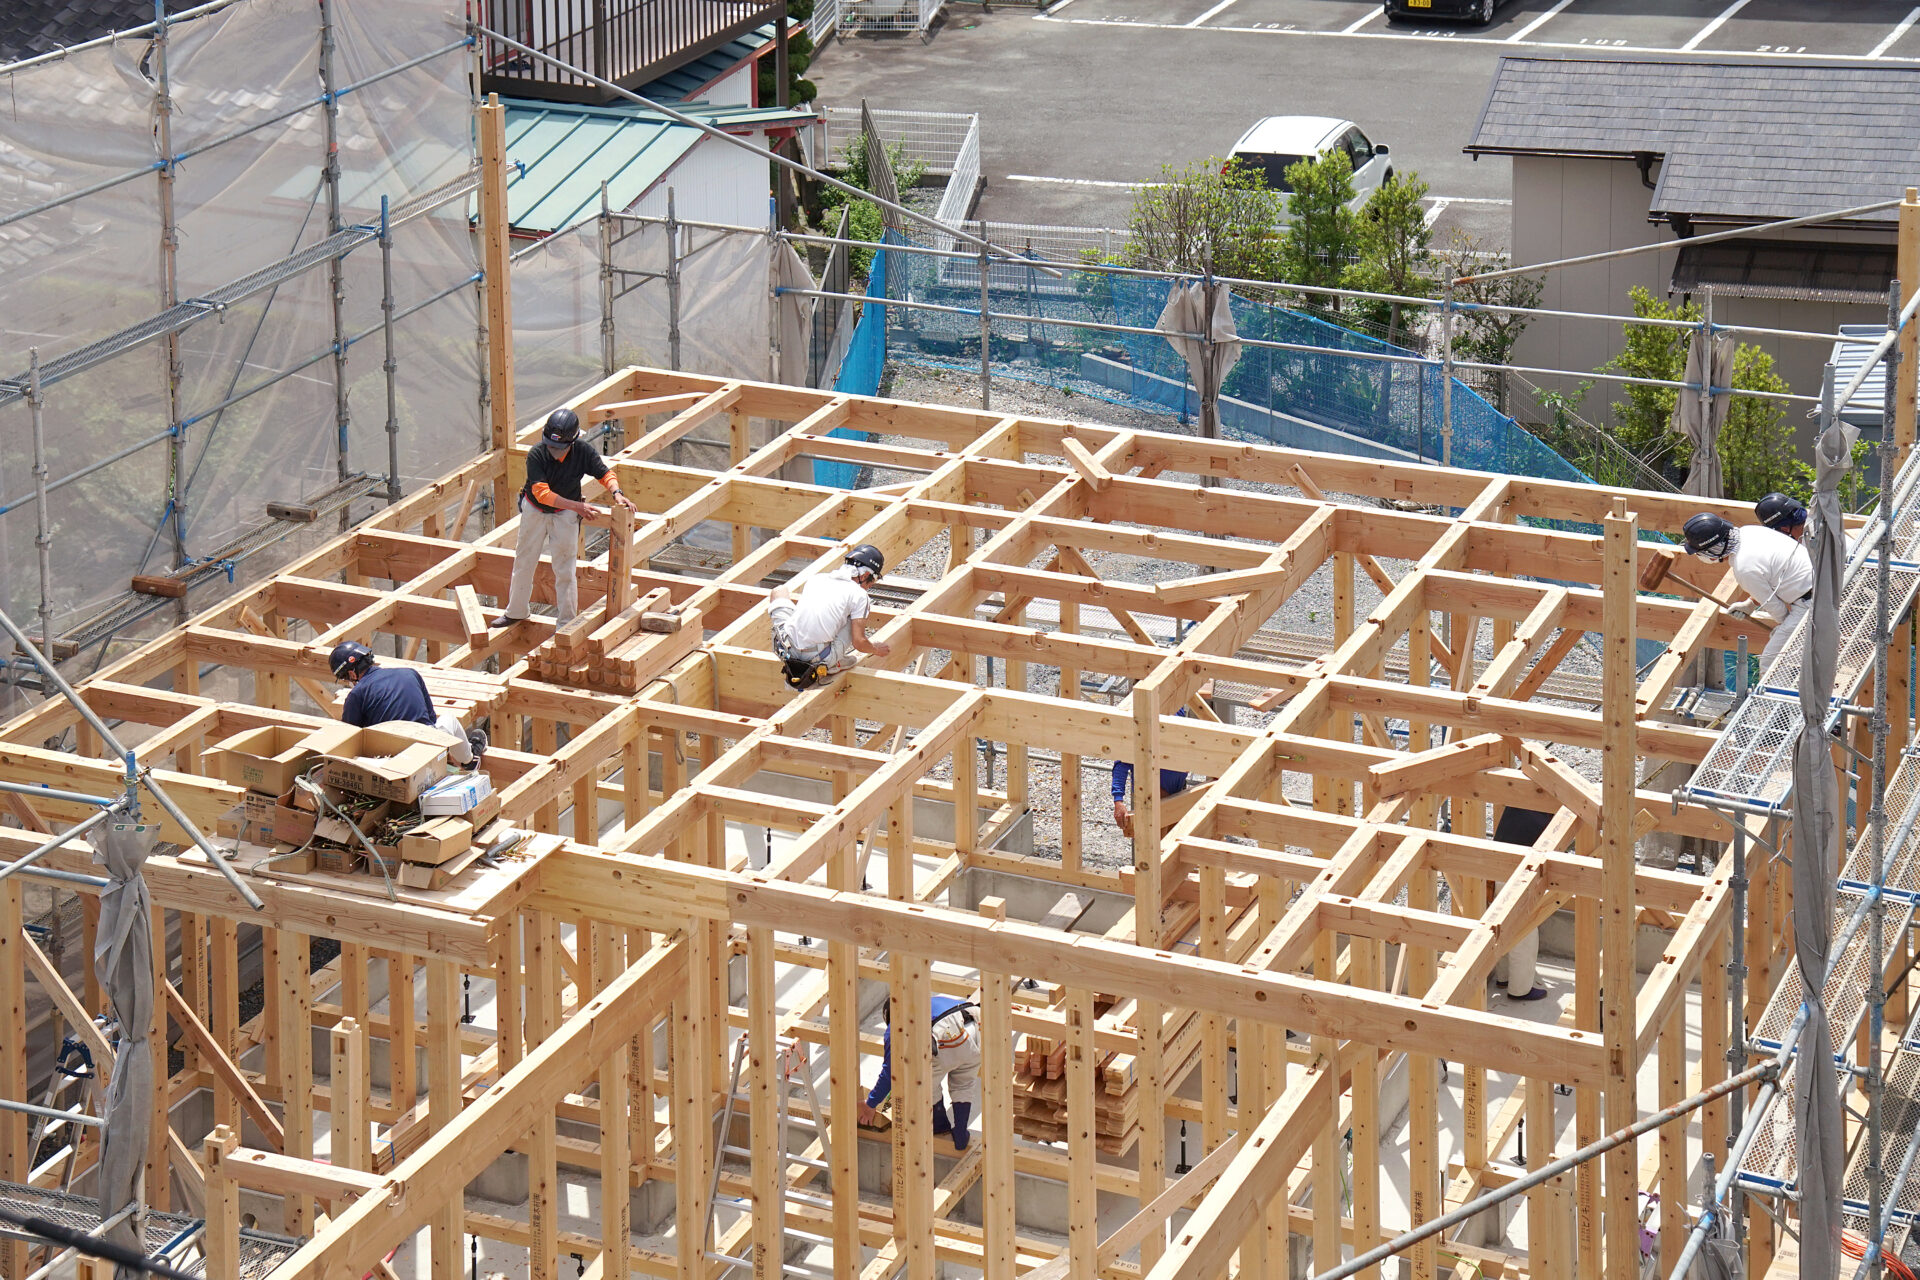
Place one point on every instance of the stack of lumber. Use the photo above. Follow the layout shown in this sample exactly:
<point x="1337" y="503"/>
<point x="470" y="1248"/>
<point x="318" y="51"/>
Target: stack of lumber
<point x="618" y="654"/>
<point x="472" y="696"/>
<point x="1040" y="1095"/>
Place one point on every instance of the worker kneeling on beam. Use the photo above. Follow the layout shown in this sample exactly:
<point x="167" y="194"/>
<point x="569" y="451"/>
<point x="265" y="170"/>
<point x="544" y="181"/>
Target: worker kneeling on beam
<point x="1770" y="567"/>
<point x="956" y="1061"/>
<point x="551" y="509"/>
<point x="825" y="631"/>
<point x="384" y="695"/>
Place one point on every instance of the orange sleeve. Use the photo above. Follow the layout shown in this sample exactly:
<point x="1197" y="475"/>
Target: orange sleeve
<point x="543" y="494"/>
<point x="610" y="482"/>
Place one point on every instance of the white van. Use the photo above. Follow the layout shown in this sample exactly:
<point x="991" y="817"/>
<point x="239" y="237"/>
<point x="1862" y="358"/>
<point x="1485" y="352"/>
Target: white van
<point x="1278" y="142"/>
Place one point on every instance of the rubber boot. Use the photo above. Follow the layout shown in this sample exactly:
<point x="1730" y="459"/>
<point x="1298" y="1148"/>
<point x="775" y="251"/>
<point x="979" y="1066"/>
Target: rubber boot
<point x="940" y="1124"/>
<point x="962" y="1113"/>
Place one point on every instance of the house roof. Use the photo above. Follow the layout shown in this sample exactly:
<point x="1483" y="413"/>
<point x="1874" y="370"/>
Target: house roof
<point x="1806" y="270"/>
<point x="30" y="27"/>
<point x="683" y="82"/>
<point x="1738" y="141"/>
<point x="561" y="153"/>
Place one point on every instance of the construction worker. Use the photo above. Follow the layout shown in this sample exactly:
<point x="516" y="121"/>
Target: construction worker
<point x="825" y="630"/>
<point x="1782" y="515"/>
<point x="956" y="1060"/>
<point x="1172" y="781"/>
<point x="551" y="510"/>
<point x="1770" y="567"/>
<point x="386" y="695"/>
<point x="1516" y="968"/>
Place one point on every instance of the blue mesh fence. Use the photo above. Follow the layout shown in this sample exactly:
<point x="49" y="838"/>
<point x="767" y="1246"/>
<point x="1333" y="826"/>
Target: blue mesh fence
<point x="1333" y="398"/>
<point x="860" y="371"/>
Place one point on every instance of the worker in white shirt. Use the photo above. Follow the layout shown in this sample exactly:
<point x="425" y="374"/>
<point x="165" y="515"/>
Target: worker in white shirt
<point x="1782" y="515"/>
<point x="824" y="632"/>
<point x="1770" y="567"/>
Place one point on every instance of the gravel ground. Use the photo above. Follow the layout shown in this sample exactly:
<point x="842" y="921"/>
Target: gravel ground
<point x="1309" y="612"/>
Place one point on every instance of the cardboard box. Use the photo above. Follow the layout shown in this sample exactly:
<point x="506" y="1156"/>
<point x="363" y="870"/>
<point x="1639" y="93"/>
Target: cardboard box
<point x="436" y="840"/>
<point x="266" y="759"/>
<point x="459" y="794"/>
<point x="393" y="762"/>
<point x="336" y="861"/>
<point x="334" y="829"/>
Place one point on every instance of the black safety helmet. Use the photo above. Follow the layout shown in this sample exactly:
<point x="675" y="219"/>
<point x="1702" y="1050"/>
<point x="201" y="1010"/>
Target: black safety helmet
<point x="350" y="660"/>
<point x="1779" y="512"/>
<point x="867" y="558"/>
<point x="563" y="427"/>
<point x="1708" y="535"/>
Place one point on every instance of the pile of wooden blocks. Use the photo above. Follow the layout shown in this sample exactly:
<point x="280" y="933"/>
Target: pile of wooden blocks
<point x="617" y="654"/>
<point x="1040" y="1096"/>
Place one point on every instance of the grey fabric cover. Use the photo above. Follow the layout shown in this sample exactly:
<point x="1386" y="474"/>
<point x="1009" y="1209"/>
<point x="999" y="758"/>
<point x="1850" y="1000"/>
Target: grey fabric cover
<point x="1186" y="312"/>
<point x="1818" y="1133"/>
<point x="123" y="959"/>
<point x="1692" y="420"/>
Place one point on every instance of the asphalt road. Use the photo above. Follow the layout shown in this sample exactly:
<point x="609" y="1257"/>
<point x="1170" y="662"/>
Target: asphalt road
<point x="1082" y="101"/>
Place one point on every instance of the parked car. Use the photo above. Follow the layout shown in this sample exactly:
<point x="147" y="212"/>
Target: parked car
<point x="1278" y="142"/>
<point x="1480" y="11"/>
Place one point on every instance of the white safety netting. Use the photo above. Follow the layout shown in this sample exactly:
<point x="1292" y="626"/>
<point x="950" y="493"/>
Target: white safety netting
<point x="91" y="268"/>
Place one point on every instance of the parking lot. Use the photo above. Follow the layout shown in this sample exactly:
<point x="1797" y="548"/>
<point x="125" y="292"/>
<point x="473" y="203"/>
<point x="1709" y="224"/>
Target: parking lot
<point x="1087" y="99"/>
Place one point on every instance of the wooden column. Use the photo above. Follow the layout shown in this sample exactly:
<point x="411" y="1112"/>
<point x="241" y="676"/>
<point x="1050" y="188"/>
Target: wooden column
<point x="616" y="1163"/>
<point x="768" y="1168"/>
<point x="999" y="1220"/>
<point x="158" y="1188"/>
<point x="1083" y="1197"/>
<point x="448" y="1226"/>
<point x="347" y="1117"/>
<point x="403" y="1070"/>
<point x="844" y="1093"/>
<point x="294" y="1028"/>
<point x="1547" y="1243"/>
<point x="544" y="980"/>
<point x="913" y="1113"/>
<point x="507" y="1012"/>
<point x="1586" y="1100"/>
<point x="16" y="1158"/>
<point x="640" y="1095"/>
<point x="1673" y="1138"/>
<point x="692" y="1110"/>
<point x="494" y="254"/>
<point x="223" y="1206"/>
<point x="1618" y="924"/>
<point x="223" y="976"/>
<point x="1149" y="897"/>
<point x="1365" y="963"/>
<point x="1070" y="816"/>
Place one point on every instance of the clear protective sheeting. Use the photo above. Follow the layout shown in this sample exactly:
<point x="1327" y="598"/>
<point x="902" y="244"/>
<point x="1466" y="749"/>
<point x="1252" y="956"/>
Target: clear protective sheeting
<point x="556" y="320"/>
<point x="255" y="392"/>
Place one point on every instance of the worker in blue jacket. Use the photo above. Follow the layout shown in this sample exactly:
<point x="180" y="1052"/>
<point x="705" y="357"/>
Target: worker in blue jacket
<point x="956" y="1060"/>
<point x="1172" y="782"/>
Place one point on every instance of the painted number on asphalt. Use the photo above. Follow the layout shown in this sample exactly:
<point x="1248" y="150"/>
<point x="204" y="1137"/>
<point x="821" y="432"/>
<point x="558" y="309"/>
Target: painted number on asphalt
<point x="1592" y="41"/>
<point x="1781" y="48"/>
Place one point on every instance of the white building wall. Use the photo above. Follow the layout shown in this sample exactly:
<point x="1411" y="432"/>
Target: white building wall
<point x="735" y="88"/>
<point x="1566" y="207"/>
<point x="714" y="182"/>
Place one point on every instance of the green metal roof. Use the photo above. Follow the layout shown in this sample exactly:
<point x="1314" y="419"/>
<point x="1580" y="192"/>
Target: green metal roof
<point x="561" y="153"/>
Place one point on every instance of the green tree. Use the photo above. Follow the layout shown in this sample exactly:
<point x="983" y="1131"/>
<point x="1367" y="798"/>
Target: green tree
<point x="1642" y="415"/>
<point x="1322" y="230"/>
<point x="865" y="221"/>
<point x="800" y="90"/>
<point x="1488" y="336"/>
<point x="1394" y="244"/>
<point x="1207" y="216"/>
<point x="1756" y="444"/>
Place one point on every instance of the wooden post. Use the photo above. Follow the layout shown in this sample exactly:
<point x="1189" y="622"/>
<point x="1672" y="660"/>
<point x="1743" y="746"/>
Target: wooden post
<point x="448" y="1227"/>
<point x="692" y="1110"/>
<point x="294" y="1028"/>
<point x="913" y="1110"/>
<point x="402" y="1069"/>
<point x="844" y="1093"/>
<point x="158" y="1188"/>
<point x="1365" y="963"/>
<point x="223" y="1206"/>
<point x="16" y="1155"/>
<point x="1070" y="816"/>
<point x="544" y="979"/>
<point x="494" y="254"/>
<point x="1083" y="1207"/>
<point x="768" y="1167"/>
<point x="347" y="1103"/>
<point x="616" y="1163"/>
<point x="999" y="1220"/>
<point x="1673" y="1137"/>
<point x="507" y="1012"/>
<point x="619" y="562"/>
<point x="1616" y="844"/>
<point x="1149" y="898"/>
<point x="224" y="997"/>
<point x="1907" y="263"/>
<point x="1586" y="1100"/>
<point x="1547" y="1243"/>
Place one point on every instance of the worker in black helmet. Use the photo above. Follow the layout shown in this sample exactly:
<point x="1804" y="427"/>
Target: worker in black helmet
<point x="1769" y="566"/>
<point x="1782" y="515"/>
<point x="551" y="509"/>
<point x="383" y="695"/>
<point x="825" y="630"/>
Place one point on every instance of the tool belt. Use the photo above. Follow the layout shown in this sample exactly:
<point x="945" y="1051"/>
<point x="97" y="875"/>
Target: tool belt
<point x="801" y="671"/>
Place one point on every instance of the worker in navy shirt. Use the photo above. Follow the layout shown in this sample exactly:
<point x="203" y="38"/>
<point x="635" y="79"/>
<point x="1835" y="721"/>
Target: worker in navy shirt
<point x="384" y="695"/>
<point x="956" y="1060"/>
<point x="1172" y="783"/>
<point x="550" y="510"/>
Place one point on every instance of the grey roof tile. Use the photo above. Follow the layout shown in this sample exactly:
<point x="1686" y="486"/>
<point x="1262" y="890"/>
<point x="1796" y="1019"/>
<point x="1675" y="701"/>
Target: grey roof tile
<point x="1738" y="139"/>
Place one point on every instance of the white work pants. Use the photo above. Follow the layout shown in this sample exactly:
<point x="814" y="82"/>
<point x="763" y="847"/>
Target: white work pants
<point x="838" y="656"/>
<point x="558" y="534"/>
<point x="1516" y="968"/>
<point x="959" y="1066"/>
<point x="461" y="752"/>
<point x="1784" y="634"/>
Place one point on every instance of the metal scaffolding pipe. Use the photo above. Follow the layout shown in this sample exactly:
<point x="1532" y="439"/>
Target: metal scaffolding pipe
<point x="1620" y="1137"/>
<point x="176" y="507"/>
<point x="54" y="793"/>
<point x="389" y="365"/>
<point x="66" y="51"/>
<point x="135" y="777"/>
<point x="52" y="1113"/>
<point x="78" y="829"/>
<point x="336" y="268"/>
<point x="43" y="535"/>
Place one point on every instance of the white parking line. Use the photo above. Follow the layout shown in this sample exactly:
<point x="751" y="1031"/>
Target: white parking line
<point x="1072" y="182"/>
<point x="1713" y="26"/>
<point x="1541" y="21"/>
<point x="1357" y="23"/>
<point x="1054" y="8"/>
<point x="1893" y="37"/>
<point x="1224" y="4"/>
